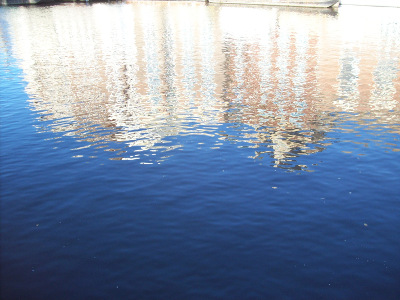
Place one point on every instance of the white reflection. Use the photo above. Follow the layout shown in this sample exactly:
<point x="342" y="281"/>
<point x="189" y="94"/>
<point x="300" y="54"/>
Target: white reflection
<point x="143" y="73"/>
<point x="348" y="80"/>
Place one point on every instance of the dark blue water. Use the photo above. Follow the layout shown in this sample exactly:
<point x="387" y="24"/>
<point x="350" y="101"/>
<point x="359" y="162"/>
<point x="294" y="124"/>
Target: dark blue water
<point x="144" y="156"/>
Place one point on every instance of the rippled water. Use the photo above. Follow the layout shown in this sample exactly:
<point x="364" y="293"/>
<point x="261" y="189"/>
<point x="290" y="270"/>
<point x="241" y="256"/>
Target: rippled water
<point x="179" y="150"/>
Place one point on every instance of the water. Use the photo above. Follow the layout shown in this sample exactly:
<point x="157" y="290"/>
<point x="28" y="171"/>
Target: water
<point x="177" y="150"/>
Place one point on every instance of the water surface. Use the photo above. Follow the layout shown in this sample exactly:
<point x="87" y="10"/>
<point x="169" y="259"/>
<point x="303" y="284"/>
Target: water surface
<point x="178" y="150"/>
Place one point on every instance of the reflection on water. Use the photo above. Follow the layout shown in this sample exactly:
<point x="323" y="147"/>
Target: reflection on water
<point x="132" y="77"/>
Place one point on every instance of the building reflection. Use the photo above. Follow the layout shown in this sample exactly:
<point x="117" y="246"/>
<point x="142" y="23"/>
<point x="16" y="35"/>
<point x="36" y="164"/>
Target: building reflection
<point x="291" y="78"/>
<point x="272" y="81"/>
<point x="139" y="73"/>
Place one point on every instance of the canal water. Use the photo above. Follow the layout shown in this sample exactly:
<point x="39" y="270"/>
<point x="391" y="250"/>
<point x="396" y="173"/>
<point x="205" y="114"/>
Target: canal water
<point x="179" y="150"/>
